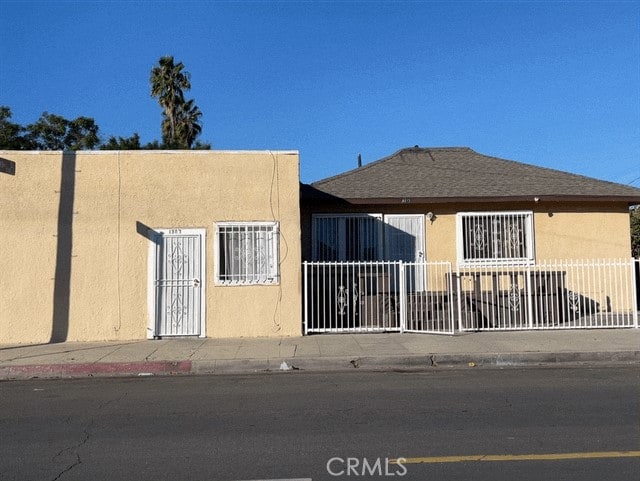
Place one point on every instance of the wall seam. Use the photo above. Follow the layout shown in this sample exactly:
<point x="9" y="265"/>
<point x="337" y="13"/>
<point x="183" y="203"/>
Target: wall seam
<point x="117" y="329"/>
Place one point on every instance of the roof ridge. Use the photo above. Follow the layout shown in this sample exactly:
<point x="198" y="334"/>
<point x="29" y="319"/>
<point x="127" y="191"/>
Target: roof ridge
<point x="464" y="173"/>
<point x="388" y="157"/>
<point x="436" y="148"/>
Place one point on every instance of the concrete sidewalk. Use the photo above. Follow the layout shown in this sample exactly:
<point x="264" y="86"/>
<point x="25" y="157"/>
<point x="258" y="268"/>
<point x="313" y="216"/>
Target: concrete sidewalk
<point x="320" y="353"/>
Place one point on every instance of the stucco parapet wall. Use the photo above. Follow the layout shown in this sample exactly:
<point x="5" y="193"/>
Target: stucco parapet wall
<point x="79" y="226"/>
<point x="149" y="151"/>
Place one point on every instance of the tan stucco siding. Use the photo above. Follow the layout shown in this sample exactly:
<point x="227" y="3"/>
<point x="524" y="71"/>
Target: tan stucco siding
<point x="594" y="230"/>
<point x="583" y="232"/>
<point x="115" y="196"/>
<point x="28" y="229"/>
<point x="561" y="231"/>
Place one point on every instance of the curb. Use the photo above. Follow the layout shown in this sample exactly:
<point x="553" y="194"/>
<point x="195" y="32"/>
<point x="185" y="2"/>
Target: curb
<point x="459" y="361"/>
<point x="96" y="369"/>
<point x="321" y="364"/>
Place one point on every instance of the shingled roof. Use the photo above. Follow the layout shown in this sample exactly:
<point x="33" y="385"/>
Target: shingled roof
<point x="447" y="174"/>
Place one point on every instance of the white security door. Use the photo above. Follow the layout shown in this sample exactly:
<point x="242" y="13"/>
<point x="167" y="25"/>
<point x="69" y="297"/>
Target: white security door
<point x="178" y="282"/>
<point x="404" y="241"/>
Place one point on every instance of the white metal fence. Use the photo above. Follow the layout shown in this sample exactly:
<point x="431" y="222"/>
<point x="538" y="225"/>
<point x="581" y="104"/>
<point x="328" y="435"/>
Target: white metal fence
<point x="430" y="297"/>
<point x="378" y="296"/>
<point x="561" y="294"/>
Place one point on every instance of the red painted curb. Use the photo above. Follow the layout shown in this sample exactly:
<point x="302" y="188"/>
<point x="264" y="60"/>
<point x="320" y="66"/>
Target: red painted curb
<point x="95" y="369"/>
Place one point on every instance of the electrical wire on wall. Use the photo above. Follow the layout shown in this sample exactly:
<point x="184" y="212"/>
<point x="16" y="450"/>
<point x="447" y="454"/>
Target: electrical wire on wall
<point x="275" y="183"/>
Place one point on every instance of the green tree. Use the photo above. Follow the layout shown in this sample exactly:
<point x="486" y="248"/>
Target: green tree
<point x="82" y="134"/>
<point x="12" y="135"/>
<point x="54" y="132"/>
<point x="180" y="118"/>
<point x="48" y="132"/>
<point x="155" y="145"/>
<point x="168" y="82"/>
<point x="122" y="143"/>
<point x="187" y="125"/>
<point x="201" y="146"/>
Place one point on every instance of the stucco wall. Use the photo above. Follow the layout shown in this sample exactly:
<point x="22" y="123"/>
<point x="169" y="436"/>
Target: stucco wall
<point x="594" y="230"/>
<point x="74" y="263"/>
<point x="562" y="231"/>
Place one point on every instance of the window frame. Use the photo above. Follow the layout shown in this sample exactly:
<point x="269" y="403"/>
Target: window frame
<point x="529" y="238"/>
<point x="271" y="277"/>
<point x="341" y="231"/>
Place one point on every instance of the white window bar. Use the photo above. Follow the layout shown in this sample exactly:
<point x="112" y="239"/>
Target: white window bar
<point x="495" y="237"/>
<point x="247" y="253"/>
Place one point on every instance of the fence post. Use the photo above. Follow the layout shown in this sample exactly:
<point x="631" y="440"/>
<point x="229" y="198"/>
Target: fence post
<point x="305" y="306"/>
<point x="459" y="297"/>
<point x="529" y="296"/>
<point x="635" y="287"/>
<point x="449" y="294"/>
<point x="403" y="298"/>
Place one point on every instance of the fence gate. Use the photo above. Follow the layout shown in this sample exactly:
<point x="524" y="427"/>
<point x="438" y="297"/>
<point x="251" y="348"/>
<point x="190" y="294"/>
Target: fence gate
<point x="428" y="298"/>
<point x="378" y="296"/>
<point x="177" y="256"/>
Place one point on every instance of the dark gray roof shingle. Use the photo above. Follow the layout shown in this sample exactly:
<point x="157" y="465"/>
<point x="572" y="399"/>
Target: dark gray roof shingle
<point x="459" y="173"/>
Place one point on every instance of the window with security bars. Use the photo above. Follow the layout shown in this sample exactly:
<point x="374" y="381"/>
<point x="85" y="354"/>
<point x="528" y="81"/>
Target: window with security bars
<point x="247" y="253"/>
<point x="495" y="236"/>
<point x="346" y="237"/>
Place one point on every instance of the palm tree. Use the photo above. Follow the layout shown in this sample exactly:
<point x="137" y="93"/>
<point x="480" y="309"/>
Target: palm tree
<point x="188" y="125"/>
<point x="168" y="80"/>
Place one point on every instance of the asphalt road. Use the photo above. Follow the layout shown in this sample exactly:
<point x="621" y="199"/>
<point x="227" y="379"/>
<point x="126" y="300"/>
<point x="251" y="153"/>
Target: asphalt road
<point x="307" y="426"/>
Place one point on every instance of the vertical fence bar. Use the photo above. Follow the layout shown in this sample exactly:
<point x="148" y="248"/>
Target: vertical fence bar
<point x="558" y="289"/>
<point x="584" y="305"/>
<point x="578" y="287"/>
<point x="321" y="283"/>
<point x="581" y="283"/>
<point x="530" y="297"/>
<point x="449" y="293"/>
<point x="628" y="280"/>
<point x="591" y="306"/>
<point x="305" y="281"/>
<point x="403" y="297"/>
<point x="459" y="297"/>
<point x="635" y="287"/>
<point x="359" y="306"/>
<point x="567" y="294"/>
<point x="599" y="291"/>
<point x="620" y="297"/>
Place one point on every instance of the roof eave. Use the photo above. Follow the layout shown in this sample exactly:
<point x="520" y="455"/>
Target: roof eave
<point x="630" y="200"/>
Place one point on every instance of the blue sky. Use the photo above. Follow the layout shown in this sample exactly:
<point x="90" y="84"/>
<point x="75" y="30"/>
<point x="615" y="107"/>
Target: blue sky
<point x="555" y="84"/>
